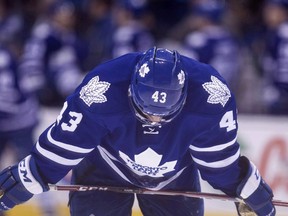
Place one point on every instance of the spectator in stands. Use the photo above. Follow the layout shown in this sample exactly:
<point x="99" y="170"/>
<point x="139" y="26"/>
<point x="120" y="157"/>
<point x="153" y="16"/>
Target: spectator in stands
<point x="165" y="16"/>
<point x="18" y="111"/>
<point x="11" y="26"/>
<point x="209" y="41"/>
<point x="130" y="34"/>
<point x="98" y="34"/>
<point x="115" y="28"/>
<point x="275" y="60"/>
<point x="50" y="55"/>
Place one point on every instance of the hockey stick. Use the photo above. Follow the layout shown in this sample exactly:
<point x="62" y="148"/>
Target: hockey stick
<point x="202" y="195"/>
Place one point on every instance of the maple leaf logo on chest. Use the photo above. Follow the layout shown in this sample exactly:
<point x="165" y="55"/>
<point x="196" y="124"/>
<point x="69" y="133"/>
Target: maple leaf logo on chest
<point x="94" y="91"/>
<point x="218" y="91"/>
<point x="148" y="163"/>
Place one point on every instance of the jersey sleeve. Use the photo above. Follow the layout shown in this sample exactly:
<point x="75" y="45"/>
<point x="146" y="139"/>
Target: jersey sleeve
<point x="216" y="153"/>
<point x="97" y="103"/>
<point x="67" y="141"/>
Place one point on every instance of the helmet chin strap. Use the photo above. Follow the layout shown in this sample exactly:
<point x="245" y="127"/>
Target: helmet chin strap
<point x="146" y="120"/>
<point x="154" y="118"/>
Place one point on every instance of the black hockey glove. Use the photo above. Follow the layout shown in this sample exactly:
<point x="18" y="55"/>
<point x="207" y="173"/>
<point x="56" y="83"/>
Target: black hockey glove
<point x="19" y="183"/>
<point x="255" y="192"/>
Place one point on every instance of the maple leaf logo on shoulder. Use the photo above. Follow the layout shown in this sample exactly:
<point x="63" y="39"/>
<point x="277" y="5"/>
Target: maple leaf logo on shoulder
<point x="218" y="91"/>
<point x="181" y="77"/>
<point x="94" y="91"/>
<point x="144" y="69"/>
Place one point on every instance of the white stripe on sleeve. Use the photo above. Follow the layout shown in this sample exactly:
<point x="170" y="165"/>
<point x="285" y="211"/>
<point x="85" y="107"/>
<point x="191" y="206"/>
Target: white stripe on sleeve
<point x="218" y="164"/>
<point x="67" y="146"/>
<point x="213" y="148"/>
<point x="56" y="158"/>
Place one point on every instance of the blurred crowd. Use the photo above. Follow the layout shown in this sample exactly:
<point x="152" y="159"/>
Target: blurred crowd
<point x="47" y="47"/>
<point x="53" y="43"/>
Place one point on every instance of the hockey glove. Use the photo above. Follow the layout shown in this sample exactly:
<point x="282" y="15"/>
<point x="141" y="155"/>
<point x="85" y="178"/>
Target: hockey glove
<point x="255" y="192"/>
<point x="19" y="183"/>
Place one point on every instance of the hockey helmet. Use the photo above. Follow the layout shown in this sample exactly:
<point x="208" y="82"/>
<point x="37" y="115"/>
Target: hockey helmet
<point x="158" y="86"/>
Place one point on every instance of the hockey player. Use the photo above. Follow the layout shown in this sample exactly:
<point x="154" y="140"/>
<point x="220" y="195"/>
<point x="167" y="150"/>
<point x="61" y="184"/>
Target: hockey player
<point x="51" y="57"/>
<point x="149" y="120"/>
<point x="130" y="33"/>
<point x="18" y="110"/>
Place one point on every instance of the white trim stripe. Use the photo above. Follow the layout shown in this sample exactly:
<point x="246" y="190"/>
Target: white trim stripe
<point x="109" y="158"/>
<point x="252" y="183"/>
<point x="56" y="158"/>
<point x="66" y="146"/>
<point x="218" y="164"/>
<point x="164" y="183"/>
<point x="213" y="148"/>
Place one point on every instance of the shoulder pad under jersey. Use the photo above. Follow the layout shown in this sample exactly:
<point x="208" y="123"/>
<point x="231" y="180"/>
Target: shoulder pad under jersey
<point x="105" y="88"/>
<point x="208" y="92"/>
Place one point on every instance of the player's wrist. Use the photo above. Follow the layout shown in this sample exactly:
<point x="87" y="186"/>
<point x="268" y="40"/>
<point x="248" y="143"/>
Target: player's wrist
<point x="254" y="191"/>
<point x="30" y="177"/>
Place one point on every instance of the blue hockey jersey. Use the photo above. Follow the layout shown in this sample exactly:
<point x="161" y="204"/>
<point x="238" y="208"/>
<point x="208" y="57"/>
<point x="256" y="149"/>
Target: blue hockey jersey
<point x="275" y="61"/>
<point x="97" y="124"/>
<point x="215" y="45"/>
<point x="51" y="63"/>
<point x="18" y="110"/>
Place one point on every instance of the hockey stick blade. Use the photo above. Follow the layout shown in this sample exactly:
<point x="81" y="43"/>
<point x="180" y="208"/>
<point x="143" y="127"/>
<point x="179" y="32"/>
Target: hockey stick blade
<point x="192" y="194"/>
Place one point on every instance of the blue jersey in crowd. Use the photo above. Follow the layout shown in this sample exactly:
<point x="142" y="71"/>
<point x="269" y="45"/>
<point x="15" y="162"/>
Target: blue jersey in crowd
<point x="214" y="45"/>
<point x="51" y="63"/>
<point x="17" y="109"/>
<point x="276" y="70"/>
<point x="276" y="56"/>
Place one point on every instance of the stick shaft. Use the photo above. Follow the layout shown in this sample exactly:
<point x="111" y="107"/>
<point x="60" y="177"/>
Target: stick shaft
<point x="202" y="195"/>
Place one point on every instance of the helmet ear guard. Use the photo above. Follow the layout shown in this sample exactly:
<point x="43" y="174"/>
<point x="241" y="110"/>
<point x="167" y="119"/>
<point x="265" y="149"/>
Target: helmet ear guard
<point x="158" y="86"/>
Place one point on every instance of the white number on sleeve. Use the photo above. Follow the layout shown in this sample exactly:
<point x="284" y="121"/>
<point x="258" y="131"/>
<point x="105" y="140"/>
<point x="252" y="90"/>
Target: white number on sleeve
<point x="228" y="121"/>
<point x="159" y="97"/>
<point x="73" y="122"/>
<point x="61" y="112"/>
